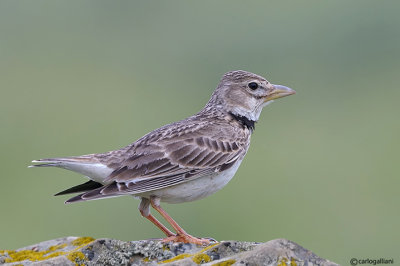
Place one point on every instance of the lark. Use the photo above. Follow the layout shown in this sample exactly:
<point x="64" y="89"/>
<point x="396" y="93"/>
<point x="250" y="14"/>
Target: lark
<point x="179" y="162"/>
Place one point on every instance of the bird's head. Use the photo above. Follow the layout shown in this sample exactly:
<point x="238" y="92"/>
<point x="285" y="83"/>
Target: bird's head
<point x="245" y="94"/>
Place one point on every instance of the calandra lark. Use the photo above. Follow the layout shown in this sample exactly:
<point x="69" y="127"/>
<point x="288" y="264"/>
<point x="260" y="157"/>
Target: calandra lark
<point x="183" y="161"/>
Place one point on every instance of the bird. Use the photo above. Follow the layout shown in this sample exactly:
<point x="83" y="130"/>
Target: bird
<point x="180" y="162"/>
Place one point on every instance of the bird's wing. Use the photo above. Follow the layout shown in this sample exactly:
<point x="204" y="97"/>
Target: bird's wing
<point x="169" y="157"/>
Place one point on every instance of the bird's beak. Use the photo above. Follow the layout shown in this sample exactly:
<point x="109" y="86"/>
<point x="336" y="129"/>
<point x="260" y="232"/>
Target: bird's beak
<point x="279" y="91"/>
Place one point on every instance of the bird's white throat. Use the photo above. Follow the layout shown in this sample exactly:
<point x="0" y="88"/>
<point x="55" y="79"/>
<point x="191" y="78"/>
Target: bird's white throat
<point x="252" y="115"/>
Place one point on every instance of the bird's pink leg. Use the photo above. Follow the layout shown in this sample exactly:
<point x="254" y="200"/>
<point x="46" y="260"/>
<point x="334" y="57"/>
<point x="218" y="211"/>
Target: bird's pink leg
<point x="157" y="223"/>
<point x="144" y="209"/>
<point x="181" y="235"/>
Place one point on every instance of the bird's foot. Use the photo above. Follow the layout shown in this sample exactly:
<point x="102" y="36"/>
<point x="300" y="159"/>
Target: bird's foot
<point x="186" y="238"/>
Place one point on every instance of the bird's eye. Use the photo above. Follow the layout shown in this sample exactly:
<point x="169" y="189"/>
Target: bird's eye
<point x="253" y="85"/>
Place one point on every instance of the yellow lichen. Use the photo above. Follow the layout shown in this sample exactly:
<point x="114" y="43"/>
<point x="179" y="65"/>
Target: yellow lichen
<point x="76" y="255"/>
<point x="293" y="262"/>
<point x="51" y="252"/>
<point x="81" y="241"/>
<point x="224" y="263"/>
<point x="31" y="255"/>
<point x="54" y="254"/>
<point x="198" y="257"/>
<point x="24" y="255"/>
<point x="207" y="248"/>
<point x="53" y="248"/>
<point x="201" y="258"/>
<point x="179" y="257"/>
<point x="283" y="262"/>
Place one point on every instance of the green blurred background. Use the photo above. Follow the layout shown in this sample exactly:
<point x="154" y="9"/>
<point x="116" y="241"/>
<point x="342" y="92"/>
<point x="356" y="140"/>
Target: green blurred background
<point x="80" y="77"/>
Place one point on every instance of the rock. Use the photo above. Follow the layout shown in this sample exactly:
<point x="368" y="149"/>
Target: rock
<point x="88" y="251"/>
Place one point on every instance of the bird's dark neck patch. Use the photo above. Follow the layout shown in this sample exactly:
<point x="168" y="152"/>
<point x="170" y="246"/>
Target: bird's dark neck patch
<point x="244" y="121"/>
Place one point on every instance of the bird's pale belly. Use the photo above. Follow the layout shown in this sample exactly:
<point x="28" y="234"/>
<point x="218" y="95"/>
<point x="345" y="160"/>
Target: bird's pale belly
<point x="195" y="189"/>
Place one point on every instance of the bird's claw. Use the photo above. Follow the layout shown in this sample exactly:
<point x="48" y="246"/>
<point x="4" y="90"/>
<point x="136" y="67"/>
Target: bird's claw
<point x="186" y="238"/>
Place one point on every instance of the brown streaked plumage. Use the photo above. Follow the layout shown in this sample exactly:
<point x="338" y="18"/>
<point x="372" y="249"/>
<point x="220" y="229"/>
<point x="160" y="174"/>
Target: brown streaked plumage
<point x="183" y="161"/>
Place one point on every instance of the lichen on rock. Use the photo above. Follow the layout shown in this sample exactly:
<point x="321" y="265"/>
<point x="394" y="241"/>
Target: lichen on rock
<point x="87" y="251"/>
<point x="64" y="248"/>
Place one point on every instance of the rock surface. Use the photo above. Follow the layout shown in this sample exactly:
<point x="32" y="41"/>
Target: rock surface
<point x="88" y="251"/>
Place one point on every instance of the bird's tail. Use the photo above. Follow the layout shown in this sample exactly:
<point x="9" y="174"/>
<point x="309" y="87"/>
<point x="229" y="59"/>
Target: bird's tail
<point x="58" y="162"/>
<point x="87" y="165"/>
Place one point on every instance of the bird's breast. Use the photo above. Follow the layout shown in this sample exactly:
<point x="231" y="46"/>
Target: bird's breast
<point x="195" y="189"/>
